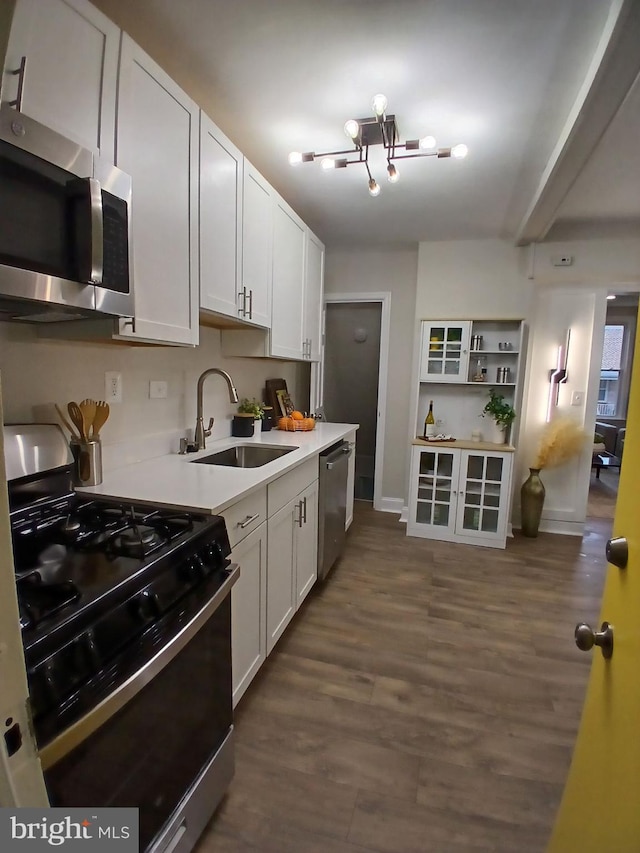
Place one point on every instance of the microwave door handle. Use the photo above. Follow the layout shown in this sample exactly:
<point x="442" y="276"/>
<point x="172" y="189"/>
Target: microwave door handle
<point x="97" y="234"/>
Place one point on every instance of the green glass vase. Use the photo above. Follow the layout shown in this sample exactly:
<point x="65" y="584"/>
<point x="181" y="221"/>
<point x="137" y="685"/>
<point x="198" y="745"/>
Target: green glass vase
<point x="531" y="501"/>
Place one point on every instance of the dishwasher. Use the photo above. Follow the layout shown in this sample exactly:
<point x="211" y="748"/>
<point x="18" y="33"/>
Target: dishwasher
<point x="332" y="505"/>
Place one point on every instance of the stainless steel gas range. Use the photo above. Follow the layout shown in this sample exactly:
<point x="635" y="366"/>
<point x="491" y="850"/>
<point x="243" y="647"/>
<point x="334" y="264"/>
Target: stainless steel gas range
<point x="125" y="616"/>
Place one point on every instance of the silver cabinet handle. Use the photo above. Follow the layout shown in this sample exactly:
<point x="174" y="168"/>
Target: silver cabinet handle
<point x="243" y="295"/>
<point x="247" y="521"/>
<point x="251" y="304"/>
<point x="129" y="321"/>
<point x="299" y="520"/>
<point x="304" y="505"/>
<point x="17" y="103"/>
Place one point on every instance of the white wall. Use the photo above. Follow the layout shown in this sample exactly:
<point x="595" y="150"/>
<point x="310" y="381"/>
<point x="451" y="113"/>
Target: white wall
<point x="392" y="271"/>
<point x="37" y="372"/>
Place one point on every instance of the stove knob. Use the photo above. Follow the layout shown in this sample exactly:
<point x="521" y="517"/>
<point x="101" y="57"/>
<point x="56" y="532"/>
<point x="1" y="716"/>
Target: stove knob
<point x="191" y="570"/>
<point x="215" y="557"/>
<point x="146" y="605"/>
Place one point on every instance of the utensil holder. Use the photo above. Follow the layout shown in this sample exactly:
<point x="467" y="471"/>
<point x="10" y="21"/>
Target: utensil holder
<point x="87" y="457"/>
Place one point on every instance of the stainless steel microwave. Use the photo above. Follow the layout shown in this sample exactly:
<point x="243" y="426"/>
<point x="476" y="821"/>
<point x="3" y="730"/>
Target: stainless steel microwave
<point x="65" y="232"/>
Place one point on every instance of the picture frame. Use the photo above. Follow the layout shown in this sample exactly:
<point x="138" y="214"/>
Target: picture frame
<point x="284" y="402"/>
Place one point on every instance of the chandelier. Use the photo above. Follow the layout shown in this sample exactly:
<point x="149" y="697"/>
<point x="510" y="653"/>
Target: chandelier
<point x="379" y="129"/>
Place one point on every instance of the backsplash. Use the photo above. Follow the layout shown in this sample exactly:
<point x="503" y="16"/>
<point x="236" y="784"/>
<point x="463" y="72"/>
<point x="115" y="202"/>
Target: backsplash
<point x="39" y="372"/>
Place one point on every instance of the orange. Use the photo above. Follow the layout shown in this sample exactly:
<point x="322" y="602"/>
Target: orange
<point x="297" y="416"/>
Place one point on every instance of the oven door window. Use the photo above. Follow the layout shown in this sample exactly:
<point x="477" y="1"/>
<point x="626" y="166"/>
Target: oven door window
<point x="40" y="207"/>
<point x="150" y="753"/>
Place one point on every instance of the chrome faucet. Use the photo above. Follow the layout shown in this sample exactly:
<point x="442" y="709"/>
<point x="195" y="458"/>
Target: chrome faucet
<point x="201" y="434"/>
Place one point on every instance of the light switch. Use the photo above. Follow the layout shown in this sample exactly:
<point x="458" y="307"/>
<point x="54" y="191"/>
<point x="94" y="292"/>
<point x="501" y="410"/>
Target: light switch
<point x="577" y="398"/>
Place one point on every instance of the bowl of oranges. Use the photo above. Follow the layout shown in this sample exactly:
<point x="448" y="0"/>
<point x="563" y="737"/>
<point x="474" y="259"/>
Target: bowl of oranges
<point x="296" y="422"/>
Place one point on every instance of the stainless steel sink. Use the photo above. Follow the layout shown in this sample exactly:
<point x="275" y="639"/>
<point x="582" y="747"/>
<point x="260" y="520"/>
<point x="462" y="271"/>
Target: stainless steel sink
<point x="245" y="456"/>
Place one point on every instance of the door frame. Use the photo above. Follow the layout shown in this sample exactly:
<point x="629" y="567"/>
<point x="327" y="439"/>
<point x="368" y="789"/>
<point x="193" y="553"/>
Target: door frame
<point x="384" y="299"/>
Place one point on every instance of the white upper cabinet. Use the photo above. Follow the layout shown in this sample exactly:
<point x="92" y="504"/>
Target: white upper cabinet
<point x="157" y="144"/>
<point x="313" y="298"/>
<point x="257" y="236"/>
<point x="287" y="318"/>
<point x="444" y="353"/>
<point x="221" y="168"/>
<point x="69" y="53"/>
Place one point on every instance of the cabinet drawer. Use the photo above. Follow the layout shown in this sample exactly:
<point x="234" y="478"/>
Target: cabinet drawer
<point x="285" y="488"/>
<point x="243" y="517"/>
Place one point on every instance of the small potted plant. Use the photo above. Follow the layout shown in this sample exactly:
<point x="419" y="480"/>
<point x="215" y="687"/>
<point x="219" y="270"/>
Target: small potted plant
<point x="502" y="413"/>
<point x="249" y="411"/>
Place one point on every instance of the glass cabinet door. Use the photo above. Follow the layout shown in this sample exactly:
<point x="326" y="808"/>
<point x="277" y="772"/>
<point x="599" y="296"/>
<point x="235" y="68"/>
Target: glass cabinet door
<point x="445" y="351"/>
<point x="435" y="482"/>
<point x="482" y="496"/>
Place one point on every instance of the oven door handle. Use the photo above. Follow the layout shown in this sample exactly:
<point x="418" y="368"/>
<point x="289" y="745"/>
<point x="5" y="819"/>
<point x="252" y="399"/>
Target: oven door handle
<point x="91" y="722"/>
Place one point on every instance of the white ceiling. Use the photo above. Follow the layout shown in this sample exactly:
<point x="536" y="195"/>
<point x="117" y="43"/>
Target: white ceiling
<point x="500" y="75"/>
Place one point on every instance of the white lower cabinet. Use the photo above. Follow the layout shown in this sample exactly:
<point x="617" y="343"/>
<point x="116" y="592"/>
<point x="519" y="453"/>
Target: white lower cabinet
<point x="460" y="495"/>
<point x="292" y="545"/>
<point x="248" y="610"/>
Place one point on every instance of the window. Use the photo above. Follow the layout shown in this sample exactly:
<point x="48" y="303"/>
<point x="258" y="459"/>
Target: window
<point x="609" y="390"/>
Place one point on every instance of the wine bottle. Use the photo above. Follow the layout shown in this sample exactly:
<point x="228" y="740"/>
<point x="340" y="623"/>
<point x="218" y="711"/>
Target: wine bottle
<point x="429" y="423"/>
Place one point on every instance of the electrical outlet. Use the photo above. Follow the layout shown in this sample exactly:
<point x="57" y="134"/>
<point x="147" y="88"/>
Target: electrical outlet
<point x="562" y="260"/>
<point x="157" y="390"/>
<point x="577" y="398"/>
<point x="113" y="387"/>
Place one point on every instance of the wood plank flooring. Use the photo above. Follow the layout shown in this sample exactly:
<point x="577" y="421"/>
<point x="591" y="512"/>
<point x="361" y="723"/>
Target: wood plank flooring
<point x="424" y="700"/>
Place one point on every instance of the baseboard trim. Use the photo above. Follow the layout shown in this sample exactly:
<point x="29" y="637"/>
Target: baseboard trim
<point x="392" y="505"/>
<point x="564" y="528"/>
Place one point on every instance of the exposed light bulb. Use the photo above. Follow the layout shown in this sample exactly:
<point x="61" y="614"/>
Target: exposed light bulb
<point x="352" y="128"/>
<point x="374" y="188"/>
<point x="394" y="174"/>
<point x="327" y="163"/>
<point x="379" y="104"/>
<point x="295" y="158"/>
<point x="611" y="296"/>
<point x="459" y="151"/>
<point x="427" y="142"/>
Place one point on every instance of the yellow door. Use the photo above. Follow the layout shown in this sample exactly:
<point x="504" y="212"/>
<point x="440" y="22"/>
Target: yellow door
<point x="600" y="809"/>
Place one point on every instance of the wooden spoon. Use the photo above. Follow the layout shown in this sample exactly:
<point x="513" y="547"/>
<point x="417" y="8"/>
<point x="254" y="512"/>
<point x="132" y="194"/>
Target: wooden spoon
<point x="88" y="409"/>
<point x="73" y="432"/>
<point x="100" y="418"/>
<point x="75" y="413"/>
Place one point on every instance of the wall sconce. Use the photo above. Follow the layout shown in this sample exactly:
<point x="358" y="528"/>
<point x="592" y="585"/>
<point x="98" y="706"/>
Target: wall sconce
<point x="557" y="375"/>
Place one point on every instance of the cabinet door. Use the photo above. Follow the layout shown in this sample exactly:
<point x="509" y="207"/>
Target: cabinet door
<point x="483" y="498"/>
<point x="434" y="486"/>
<point x="220" y="220"/>
<point x="445" y="351"/>
<point x="71" y="67"/>
<point x="287" y="307"/>
<point x="249" y="610"/>
<point x="257" y="244"/>
<point x="307" y="543"/>
<point x="157" y="129"/>
<point x="351" y="479"/>
<point x="281" y="594"/>
<point x="313" y="297"/>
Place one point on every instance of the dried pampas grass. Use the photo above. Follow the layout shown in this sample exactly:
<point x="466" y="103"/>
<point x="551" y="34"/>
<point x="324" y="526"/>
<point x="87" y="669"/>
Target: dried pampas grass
<point x="561" y="440"/>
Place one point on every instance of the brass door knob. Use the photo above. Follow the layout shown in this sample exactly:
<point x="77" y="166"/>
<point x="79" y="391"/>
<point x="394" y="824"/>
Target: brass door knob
<point x="587" y="638"/>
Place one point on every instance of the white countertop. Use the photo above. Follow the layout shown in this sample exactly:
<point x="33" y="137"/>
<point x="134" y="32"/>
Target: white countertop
<point x="174" y="481"/>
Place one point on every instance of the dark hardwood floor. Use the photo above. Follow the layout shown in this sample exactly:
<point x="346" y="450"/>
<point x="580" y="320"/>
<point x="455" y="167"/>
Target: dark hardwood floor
<point x="424" y="700"/>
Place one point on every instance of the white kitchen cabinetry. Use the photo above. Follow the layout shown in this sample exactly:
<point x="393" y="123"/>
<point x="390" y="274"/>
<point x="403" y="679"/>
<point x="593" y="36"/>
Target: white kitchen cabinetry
<point x="221" y="170"/>
<point x="287" y="311"/>
<point x="257" y="244"/>
<point x="247" y="531"/>
<point x="460" y="494"/>
<point x="313" y="291"/>
<point x="157" y="133"/>
<point x="444" y="351"/>
<point x="70" y="52"/>
<point x="292" y="541"/>
<point x="351" y="478"/>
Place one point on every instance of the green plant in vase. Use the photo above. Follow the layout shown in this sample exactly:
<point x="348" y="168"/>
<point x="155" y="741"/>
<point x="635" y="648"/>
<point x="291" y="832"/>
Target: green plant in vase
<point x="251" y="407"/>
<point x="501" y="411"/>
